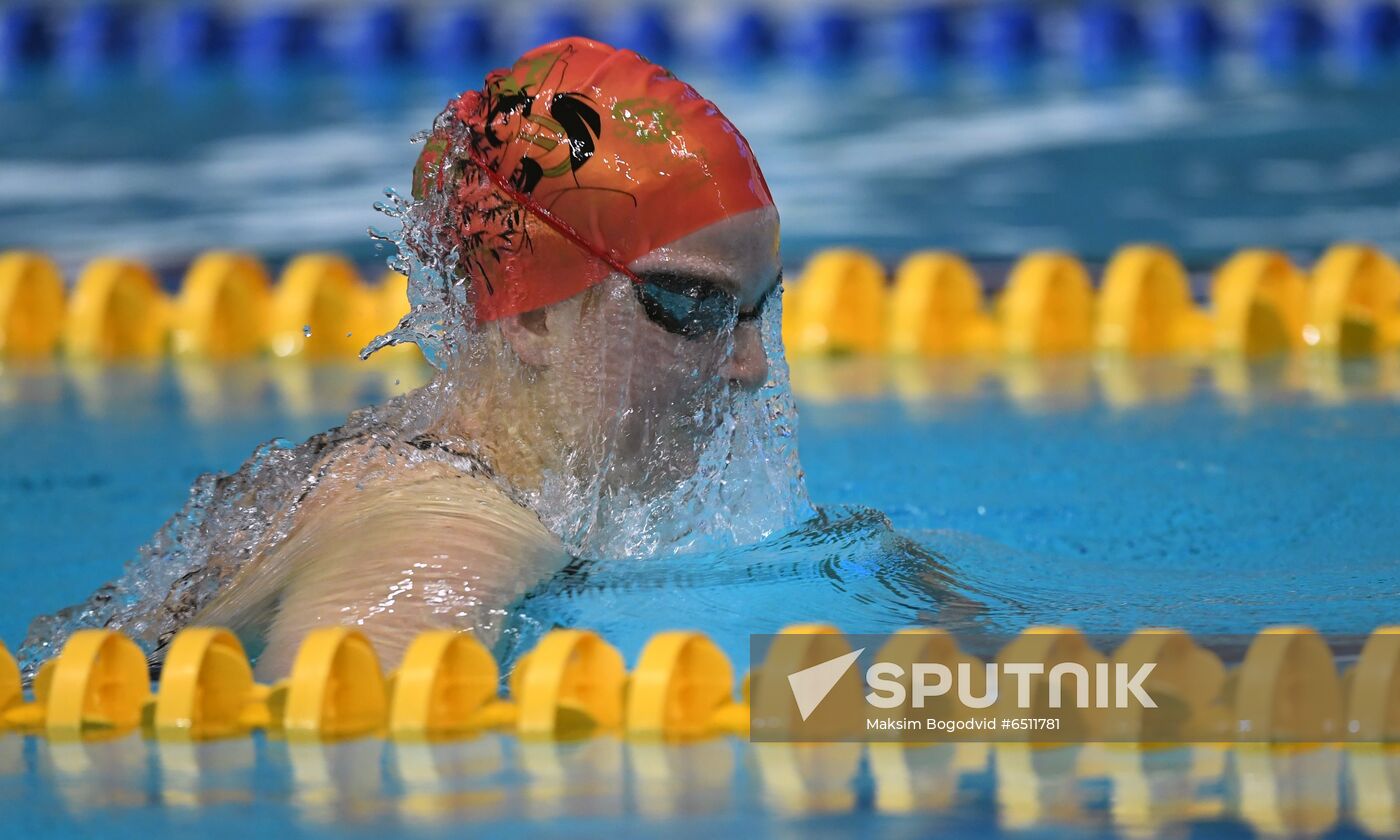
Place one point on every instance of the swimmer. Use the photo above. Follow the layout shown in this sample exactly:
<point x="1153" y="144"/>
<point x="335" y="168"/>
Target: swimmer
<point x="593" y="254"/>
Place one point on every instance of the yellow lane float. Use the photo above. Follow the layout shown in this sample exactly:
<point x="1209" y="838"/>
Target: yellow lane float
<point x="570" y="685"/>
<point x="1145" y="307"/>
<point x="98" y="687"/>
<point x="1258" y="297"/>
<point x="1185" y="676"/>
<point x="116" y="311"/>
<point x="223" y="306"/>
<point x="440" y="690"/>
<point x="1354" y="301"/>
<point x="1047" y="307"/>
<point x="1287" y="689"/>
<point x="321" y="309"/>
<point x="206" y="687"/>
<point x="682" y="687"/>
<point x="31" y="304"/>
<point x="11" y="692"/>
<point x="837" y="306"/>
<point x="1373" y="702"/>
<point x="335" y="690"/>
<point x="936" y="308"/>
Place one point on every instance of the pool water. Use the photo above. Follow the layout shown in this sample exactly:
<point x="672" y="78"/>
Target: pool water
<point x="603" y="787"/>
<point x="1212" y="495"/>
<point x="1227" y="498"/>
<point x="1215" y="496"/>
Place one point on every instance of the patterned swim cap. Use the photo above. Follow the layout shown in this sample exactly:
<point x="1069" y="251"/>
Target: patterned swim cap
<point x="571" y="164"/>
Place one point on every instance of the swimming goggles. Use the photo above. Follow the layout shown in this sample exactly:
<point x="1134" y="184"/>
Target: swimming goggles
<point x="693" y="306"/>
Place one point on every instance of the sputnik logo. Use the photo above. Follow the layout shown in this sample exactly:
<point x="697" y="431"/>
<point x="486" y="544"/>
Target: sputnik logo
<point x="811" y="685"/>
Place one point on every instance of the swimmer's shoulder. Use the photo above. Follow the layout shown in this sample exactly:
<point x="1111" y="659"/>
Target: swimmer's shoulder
<point x="400" y="501"/>
<point x="424" y="481"/>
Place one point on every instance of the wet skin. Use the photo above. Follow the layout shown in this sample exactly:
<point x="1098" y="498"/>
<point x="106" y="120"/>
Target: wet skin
<point x="395" y="547"/>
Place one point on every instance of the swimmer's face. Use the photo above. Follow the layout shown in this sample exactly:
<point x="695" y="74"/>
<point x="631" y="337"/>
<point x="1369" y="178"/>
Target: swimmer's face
<point x="657" y="375"/>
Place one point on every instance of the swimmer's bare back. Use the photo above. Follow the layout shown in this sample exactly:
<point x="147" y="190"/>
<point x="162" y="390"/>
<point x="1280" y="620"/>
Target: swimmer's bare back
<point x="393" y="552"/>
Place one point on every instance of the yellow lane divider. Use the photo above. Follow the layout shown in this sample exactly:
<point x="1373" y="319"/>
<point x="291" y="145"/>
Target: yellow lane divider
<point x="320" y="309"/>
<point x="1259" y="298"/>
<point x="936" y="308"/>
<point x="31" y="304"/>
<point x="1145" y="305"/>
<point x="223" y="307"/>
<point x="227" y="308"/>
<point x="1259" y="304"/>
<point x="683" y="687"/>
<point x="573" y="684"/>
<point x="444" y="688"/>
<point x="1047" y="307"/>
<point x="1353" y="301"/>
<point x="116" y="311"/>
<point x="842" y="305"/>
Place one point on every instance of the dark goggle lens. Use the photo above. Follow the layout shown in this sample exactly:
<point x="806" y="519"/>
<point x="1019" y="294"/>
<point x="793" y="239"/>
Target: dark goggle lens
<point x="695" y="308"/>
<point x="686" y="308"/>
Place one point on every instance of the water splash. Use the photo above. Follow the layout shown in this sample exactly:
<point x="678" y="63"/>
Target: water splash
<point x="713" y="468"/>
<point x="746" y="481"/>
<point x="845" y="566"/>
<point x="226" y="522"/>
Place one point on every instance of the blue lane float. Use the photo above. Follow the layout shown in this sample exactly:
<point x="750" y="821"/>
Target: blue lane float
<point x="1188" y="37"/>
<point x="1291" y="34"/>
<point x="1370" y="33"/>
<point x="644" y="29"/>
<point x="98" y="36"/>
<point x="279" y="38"/>
<point x="555" y="23"/>
<point x="26" y="39"/>
<point x="459" y="38"/>
<point x="1007" y="38"/>
<point x="827" y="36"/>
<point x="379" y="35"/>
<point x="1110" y="38"/>
<point x="926" y="35"/>
<point x="745" y="36"/>
<point x="193" y="36"/>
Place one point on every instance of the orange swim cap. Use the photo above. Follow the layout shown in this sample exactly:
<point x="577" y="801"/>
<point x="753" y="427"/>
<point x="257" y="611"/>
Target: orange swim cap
<point x="571" y="164"/>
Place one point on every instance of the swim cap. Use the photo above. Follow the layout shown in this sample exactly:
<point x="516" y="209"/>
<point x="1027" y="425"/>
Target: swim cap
<point x="571" y="164"/>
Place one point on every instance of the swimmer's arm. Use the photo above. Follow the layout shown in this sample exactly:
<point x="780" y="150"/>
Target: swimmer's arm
<point x="433" y="550"/>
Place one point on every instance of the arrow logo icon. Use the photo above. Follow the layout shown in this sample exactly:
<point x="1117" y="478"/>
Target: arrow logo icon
<point x="811" y="685"/>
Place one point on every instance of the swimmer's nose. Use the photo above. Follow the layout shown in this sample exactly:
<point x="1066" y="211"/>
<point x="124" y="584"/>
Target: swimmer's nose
<point x="747" y="365"/>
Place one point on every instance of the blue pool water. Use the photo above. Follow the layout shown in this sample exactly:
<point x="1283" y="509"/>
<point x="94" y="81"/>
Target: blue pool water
<point x="1217" y="497"/>
<point x="606" y="788"/>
